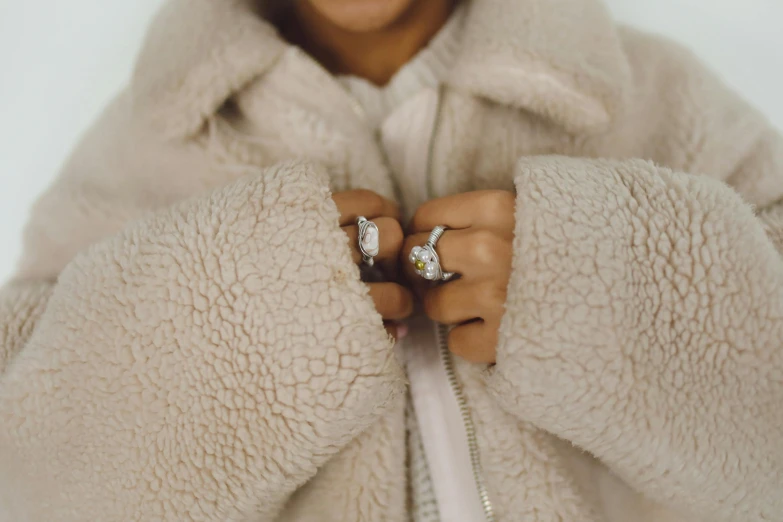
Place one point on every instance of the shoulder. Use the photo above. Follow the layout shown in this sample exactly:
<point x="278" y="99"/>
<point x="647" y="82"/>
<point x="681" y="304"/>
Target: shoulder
<point x="120" y="170"/>
<point x="681" y="113"/>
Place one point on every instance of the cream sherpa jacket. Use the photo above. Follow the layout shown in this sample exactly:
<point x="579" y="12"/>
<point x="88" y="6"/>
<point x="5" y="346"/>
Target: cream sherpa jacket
<point x="169" y="353"/>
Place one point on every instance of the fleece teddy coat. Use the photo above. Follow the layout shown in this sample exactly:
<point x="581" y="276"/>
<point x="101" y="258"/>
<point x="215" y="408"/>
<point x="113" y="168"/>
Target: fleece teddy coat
<point x="168" y="352"/>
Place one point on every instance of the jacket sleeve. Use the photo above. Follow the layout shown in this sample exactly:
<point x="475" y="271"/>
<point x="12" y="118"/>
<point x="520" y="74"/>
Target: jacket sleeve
<point x="644" y="324"/>
<point x="200" y="365"/>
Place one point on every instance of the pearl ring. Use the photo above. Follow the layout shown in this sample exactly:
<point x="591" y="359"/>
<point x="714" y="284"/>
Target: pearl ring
<point x="425" y="258"/>
<point x="369" y="240"/>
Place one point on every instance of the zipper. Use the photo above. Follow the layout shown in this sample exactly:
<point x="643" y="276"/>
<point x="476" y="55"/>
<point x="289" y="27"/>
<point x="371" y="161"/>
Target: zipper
<point x="441" y="333"/>
<point x="441" y="336"/>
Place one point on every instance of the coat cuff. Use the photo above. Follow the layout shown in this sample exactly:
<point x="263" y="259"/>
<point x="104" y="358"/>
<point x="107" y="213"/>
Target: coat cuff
<point x="200" y="365"/>
<point x="644" y="324"/>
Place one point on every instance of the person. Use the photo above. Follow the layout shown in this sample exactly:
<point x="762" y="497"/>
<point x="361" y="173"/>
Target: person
<point x="591" y="221"/>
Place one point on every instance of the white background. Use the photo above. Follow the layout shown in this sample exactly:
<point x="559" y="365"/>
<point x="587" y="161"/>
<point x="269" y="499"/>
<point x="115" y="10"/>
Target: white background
<point x="61" y="61"/>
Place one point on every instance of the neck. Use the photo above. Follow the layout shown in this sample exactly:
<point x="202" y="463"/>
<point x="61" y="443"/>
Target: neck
<point x="374" y="55"/>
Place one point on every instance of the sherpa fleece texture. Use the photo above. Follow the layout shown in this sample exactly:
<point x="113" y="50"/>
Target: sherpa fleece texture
<point x="204" y="353"/>
<point x="186" y="338"/>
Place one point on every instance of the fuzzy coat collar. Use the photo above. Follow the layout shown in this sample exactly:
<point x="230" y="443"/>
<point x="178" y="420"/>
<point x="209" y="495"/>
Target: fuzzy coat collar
<point x="560" y="59"/>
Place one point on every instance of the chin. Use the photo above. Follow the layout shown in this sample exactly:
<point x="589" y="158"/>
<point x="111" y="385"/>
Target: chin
<point x="362" y="16"/>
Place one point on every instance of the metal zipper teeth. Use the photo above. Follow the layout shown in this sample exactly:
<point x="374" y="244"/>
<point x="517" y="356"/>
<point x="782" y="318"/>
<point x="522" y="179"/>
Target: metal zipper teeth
<point x="467" y="421"/>
<point x="443" y="348"/>
<point x="448" y="362"/>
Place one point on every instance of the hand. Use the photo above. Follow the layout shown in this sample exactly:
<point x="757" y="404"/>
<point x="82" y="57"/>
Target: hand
<point x="393" y="301"/>
<point x="478" y="247"/>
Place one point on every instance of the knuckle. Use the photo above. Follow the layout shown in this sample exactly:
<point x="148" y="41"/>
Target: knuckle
<point x="500" y="199"/>
<point x="374" y="203"/>
<point x="419" y="216"/>
<point x="497" y="204"/>
<point x="493" y="297"/>
<point x="371" y="201"/>
<point x="362" y="193"/>
<point x="486" y="245"/>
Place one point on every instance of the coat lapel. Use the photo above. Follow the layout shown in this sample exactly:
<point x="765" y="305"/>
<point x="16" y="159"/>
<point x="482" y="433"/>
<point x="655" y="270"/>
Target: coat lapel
<point x="197" y="54"/>
<point x="560" y="59"/>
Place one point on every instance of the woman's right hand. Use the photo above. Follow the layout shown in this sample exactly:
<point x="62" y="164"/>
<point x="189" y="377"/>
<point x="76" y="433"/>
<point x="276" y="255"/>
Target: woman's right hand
<point x="393" y="301"/>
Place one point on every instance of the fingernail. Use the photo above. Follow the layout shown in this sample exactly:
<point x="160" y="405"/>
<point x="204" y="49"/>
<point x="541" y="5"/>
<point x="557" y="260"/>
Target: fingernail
<point x="402" y="331"/>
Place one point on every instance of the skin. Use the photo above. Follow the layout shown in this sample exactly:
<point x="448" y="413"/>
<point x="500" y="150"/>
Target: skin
<point x="367" y="38"/>
<point x="393" y="301"/>
<point x="373" y="39"/>
<point x="478" y="246"/>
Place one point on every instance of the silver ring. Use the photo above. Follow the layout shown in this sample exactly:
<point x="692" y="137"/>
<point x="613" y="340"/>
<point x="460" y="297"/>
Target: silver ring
<point x="425" y="258"/>
<point x="369" y="240"/>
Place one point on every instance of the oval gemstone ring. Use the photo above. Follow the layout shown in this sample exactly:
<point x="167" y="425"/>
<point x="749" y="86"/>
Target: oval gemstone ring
<point x="369" y="240"/>
<point x="425" y="258"/>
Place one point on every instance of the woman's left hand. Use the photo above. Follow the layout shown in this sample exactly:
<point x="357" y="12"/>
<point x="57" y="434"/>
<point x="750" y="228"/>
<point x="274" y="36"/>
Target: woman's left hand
<point x="478" y="246"/>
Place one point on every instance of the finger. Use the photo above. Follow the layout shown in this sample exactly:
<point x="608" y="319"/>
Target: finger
<point x="488" y="208"/>
<point x="389" y="236"/>
<point x="355" y="203"/>
<point x="463" y="300"/>
<point x="393" y="301"/>
<point x="397" y="330"/>
<point x="448" y="249"/>
<point x="473" y="253"/>
<point x="475" y="342"/>
<point x="391" y="329"/>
